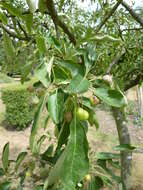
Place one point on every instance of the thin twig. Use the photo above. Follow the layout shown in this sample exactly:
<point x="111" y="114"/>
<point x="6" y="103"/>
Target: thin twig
<point x="57" y="21"/>
<point x="13" y="34"/>
<point x="132" y="29"/>
<point x="107" y="16"/>
<point x="133" y="13"/>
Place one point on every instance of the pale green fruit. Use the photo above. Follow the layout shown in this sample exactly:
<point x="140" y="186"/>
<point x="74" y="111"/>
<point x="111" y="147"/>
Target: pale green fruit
<point x="28" y="174"/>
<point x="82" y="114"/>
<point x="108" y="79"/>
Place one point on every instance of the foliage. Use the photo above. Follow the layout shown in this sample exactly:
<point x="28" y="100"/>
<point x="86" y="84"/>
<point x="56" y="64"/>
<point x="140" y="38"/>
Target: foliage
<point x="70" y="59"/>
<point x="19" y="110"/>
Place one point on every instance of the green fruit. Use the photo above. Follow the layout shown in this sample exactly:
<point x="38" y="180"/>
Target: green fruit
<point x="82" y="114"/>
<point x="94" y="100"/>
<point x="108" y="79"/>
<point x="28" y="174"/>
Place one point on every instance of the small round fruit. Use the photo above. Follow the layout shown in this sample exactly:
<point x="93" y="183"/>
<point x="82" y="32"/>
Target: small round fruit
<point x="108" y="79"/>
<point x="87" y="178"/>
<point x="68" y="116"/>
<point x="82" y="114"/>
<point x="31" y="88"/>
<point x="28" y="174"/>
<point x="94" y="100"/>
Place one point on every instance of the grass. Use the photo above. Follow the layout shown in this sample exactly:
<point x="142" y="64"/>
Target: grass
<point x="5" y="79"/>
<point x="17" y="84"/>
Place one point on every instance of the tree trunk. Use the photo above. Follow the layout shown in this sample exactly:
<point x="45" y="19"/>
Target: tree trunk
<point x="125" y="156"/>
<point x="140" y="100"/>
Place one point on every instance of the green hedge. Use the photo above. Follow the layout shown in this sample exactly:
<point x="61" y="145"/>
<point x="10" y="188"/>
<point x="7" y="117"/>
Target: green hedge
<point x="19" y="111"/>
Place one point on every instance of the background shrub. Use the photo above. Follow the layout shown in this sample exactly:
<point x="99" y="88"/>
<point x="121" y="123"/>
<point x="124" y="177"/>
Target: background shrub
<point x="19" y="111"/>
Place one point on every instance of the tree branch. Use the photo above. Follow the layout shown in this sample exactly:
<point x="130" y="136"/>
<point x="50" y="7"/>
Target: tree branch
<point x="13" y="34"/>
<point x="115" y="60"/>
<point x="107" y="16"/>
<point x="57" y="21"/>
<point x="134" y="82"/>
<point x="22" y="29"/>
<point x="133" y="13"/>
<point x="132" y="29"/>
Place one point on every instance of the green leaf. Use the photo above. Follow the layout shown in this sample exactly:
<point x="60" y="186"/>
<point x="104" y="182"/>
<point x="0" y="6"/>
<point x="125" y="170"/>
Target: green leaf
<point x="19" y="160"/>
<point x="3" y="17"/>
<point x="12" y="10"/>
<point x="73" y="67"/>
<point x="5" y="185"/>
<point x="78" y="84"/>
<point x="88" y="63"/>
<point x="26" y="69"/>
<point x="42" y="74"/>
<point x="101" y="83"/>
<point x="124" y="147"/>
<point x="64" y="133"/>
<point x="38" y="187"/>
<point x="61" y="75"/>
<point x="93" y="119"/>
<point x="5" y="157"/>
<point x="86" y="102"/>
<point x="39" y="143"/>
<point x="36" y="123"/>
<point x="96" y="183"/>
<point x="111" y="97"/>
<point x="40" y="40"/>
<point x="46" y="121"/>
<point x="73" y="164"/>
<point x="48" y="152"/>
<point x="42" y="6"/>
<point x="29" y="21"/>
<point x="22" y="178"/>
<point x="55" y="106"/>
<point x="14" y="22"/>
<point x="114" y="164"/>
<point x="9" y="48"/>
<point x="1" y="172"/>
<point x="107" y="156"/>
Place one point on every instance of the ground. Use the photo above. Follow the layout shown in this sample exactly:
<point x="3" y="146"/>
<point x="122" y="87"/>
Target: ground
<point x="102" y="140"/>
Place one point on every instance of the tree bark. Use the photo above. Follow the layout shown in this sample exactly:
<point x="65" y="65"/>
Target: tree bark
<point x="125" y="156"/>
<point x="140" y="100"/>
